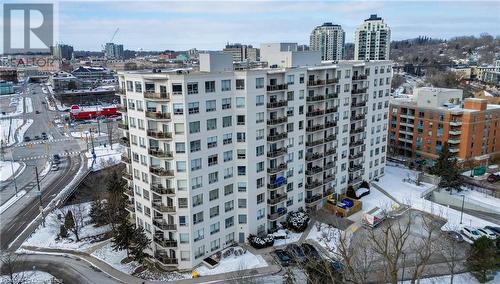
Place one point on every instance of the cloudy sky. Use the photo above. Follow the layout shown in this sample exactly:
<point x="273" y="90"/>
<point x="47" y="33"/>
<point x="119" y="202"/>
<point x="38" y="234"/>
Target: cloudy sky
<point x="159" y="25"/>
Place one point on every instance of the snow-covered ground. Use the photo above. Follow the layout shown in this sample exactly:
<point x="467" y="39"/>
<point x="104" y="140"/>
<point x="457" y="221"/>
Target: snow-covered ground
<point x="105" y="157"/>
<point x="482" y="199"/>
<point x="8" y="130"/>
<point x="29" y="105"/>
<point x="7" y="169"/>
<point x="28" y="277"/>
<point x="12" y="200"/>
<point x="327" y="236"/>
<point x="291" y="237"/>
<point x="114" y="258"/>
<point x="377" y="199"/>
<point x="23" y="129"/>
<point x="234" y="263"/>
<point x="15" y="102"/>
<point x="409" y="193"/>
<point x="463" y="278"/>
<point x="46" y="236"/>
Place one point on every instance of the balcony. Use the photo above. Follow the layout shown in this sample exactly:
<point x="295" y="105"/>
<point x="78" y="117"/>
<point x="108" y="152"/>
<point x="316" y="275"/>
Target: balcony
<point x="273" y="216"/>
<point x="276" y="153"/>
<point x="332" y="81"/>
<point x="123" y="126"/>
<point x="453" y="141"/>
<point x="359" y="77"/>
<point x="164" y="242"/>
<point x="313" y="185"/>
<point x="165" y="259"/>
<point x="126" y="158"/>
<point x="314" y="170"/>
<point x="358" y="117"/>
<point x="277" y="88"/>
<point x="357" y="130"/>
<point x="124" y="141"/>
<point x="277" y="199"/>
<point x="120" y="91"/>
<point x="332" y="96"/>
<point x="454" y="150"/>
<point x="455" y="132"/>
<point x="161" y="154"/>
<point x="277" y="104"/>
<point x="277" y="136"/>
<point x="313" y="157"/>
<point x="315" y="113"/>
<point x="330" y="138"/>
<point x="130" y="207"/>
<point x="355" y="168"/>
<point x="356" y="143"/>
<point x="455" y="123"/>
<point x="161" y="172"/>
<point x="355" y="180"/>
<point x="329" y="165"/>
<point x="315" y="98"/>
<point x="277" y="121"/>
<point x="163" y="225"/>
<point x="356" y="156"/>
<point x="361" y="104"/>
<point x="127" y="175"/>
<point x="314" y="142"/>
<point x="159" y="134"/>
<point x="278" y="168"/>
<point x="158" y="205"/>
<point x="328" y="191"/>
<point x="332" y="151"/>
<point x="158" y="115"/>
<point x="330" y="124"/>
<point x="276" y="185"/>
<point x="160" y="189"/>
<point x="313" y="198"/>
<point x="129" y="191"/>
<point x="359" y="91"/>
<point x="151" y="96"/>
<point x="328" y="179"/>
<point x="331" y="110"/>
<point x="315" y="128"/>
<point x="314" y="83"/>
<point x="122" y="109"/>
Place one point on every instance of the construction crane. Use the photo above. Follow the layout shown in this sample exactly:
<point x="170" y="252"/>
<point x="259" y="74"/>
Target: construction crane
<point x="112" y="38"/>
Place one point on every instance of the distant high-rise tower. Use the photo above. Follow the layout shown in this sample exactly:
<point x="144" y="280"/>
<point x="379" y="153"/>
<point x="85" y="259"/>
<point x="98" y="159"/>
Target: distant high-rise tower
<point x="62" y="51"/>
<point x="114" y="51"/>
<point x="329" y="40"/>
<point x="372" y="40"/>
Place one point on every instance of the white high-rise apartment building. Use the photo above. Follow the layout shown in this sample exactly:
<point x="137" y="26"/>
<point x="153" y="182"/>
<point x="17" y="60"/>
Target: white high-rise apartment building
<point x="216" y="154"/>
<point x="329" y="40"/>
<point x="372" y="40"/>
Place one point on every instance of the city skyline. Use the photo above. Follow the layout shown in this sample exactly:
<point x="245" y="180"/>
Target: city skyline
<point x="181" y="26"/>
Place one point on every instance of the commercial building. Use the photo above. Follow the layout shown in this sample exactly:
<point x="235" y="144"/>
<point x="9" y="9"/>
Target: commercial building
<point x="114" y="51"/>
<point x="62" y="51"/>
<point x="8" y="74"/>
<point x="372" y="40"/>
<point x="241" y="52"/>
<point x="329" y="40"/>
<point x="216" y="154"/>
<point x="6" y="88"/>
<point x="420" y="126"/>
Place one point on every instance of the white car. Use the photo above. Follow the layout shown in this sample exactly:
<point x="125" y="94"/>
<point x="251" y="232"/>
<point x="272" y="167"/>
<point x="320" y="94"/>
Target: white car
<point x="487" y="233"/>
<point x="471" y="233"/>
<point x="54" y="168"/>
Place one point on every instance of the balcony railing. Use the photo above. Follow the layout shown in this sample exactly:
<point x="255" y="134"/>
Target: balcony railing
<point x="359" y="91"/>
<point x="158" y="205"/>
<point x="358" y="117"/>
<point x="162" y="225"/>
<point x="160" y="189"/>
<point x="158" y="115"/>
<point x="332" y="81"/>
<point x="315" y="128"/>
<point x="159" y="134"/>
<point x="165" y="259"/>
<point x="123" y="126"/>
<point x="361" y="104"/>
<point x="122" y="108"/>
<point x="330" y="124"/>
<point x="130" y="207"/>
<point x="161" y="172"/>
<point x="328" y="179"/>
<point x="278" y="168"/>
<point x="332" y="96"/>
<point x="330" y="138"/>
<point x="277" y="121"/>
<point x="331" y="110"/>
<point x="127" y="175"/>
<point x="329" y="165"/>
<point x="359" y="77"/>
<point x="161" y="154"/>
<point x="276" y="185"/>
<point x="124" y="141"/>
<point x="455" y="123"/>
<point x="277" y="104"/>
<point x="277" y="199"/>
<point x="355" y="180"/>
<point x="314" y="98"/>
<point x="314" y="170"/>
<point x="314" y="143"/>
<point x="313" y="185"/>
<point x="156" y="96"/>
<point x="277" y="136"/>
<point x="355" y="168"/>
<point x="313" y="198"/>
<point x="276" y="153"/>
<point x="120" y="91"/>
<point x="276" y="215"/>
<point x="330" y="152"/>
<point x="315" y="113"/>
<point x="165" y="243"/>
<point x="277" y="88"/>
<point x="315" y="83"/>
<point x="125" y="158"/>
<point x="356" y="143"/>
<point x="313" y="157"/>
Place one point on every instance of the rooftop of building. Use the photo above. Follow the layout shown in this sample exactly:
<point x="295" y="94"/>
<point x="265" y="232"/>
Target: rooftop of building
<point x="373" y="17"/>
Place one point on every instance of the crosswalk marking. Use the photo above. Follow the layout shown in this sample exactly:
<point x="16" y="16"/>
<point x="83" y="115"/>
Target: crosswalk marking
<point x="72" y="153"/>
<point x="43" y="141"/>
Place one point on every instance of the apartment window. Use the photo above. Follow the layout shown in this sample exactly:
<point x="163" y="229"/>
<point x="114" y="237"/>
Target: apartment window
<point x="214" y="211"/>
<point x="198" y="218"/>
<point x="240" y="120"/>
<point x="196" y="164"/>
<point x="130" y="86"/>
<point x="226" y="103"/>
<point x="229" y="222"/>
<point x="242" y="219"/>
<point x="240" y="84"/>
<point x="260" y="167"/>
<point x="242" y="170"/>
<point x="215" y="228"/>
<point x="213" y="177"/>
<point x="242" y="186"/>
<point x="242" y="203"/>
<point x="301" y="79"/>
<point x="194" y="127"/>
<point x="184" y="238"/>
<point x="259" y="100"/>
<point x="228" y="189"/>
<point x="212" y="124"/>
<point x="228" y="206"/>
<point x="211" y="105"/>
<point x="212" y="142"/>
<point x="227" y="138"/>
<point x="195" y="146"/>
<point x="240" y="102"/>
<point x="181" y="166"/>
<point x="228" y="156"/>
<point x="261" y="213"/>
<point x="290" y="79"/>
<point x="213" y="194"/>
<point x="259" y="83"/>
<point x="178" y="109"/>
<point x="241" y="137"/>
<point x="196" y="182"/>
<point x="192" y="88"/>
<point x="227" y="121"/>
<point x="193" y="107"/>
<point x="182" y="221"/>
<point x="199" y="252"/>
<point x="260" y="182"/>
<point x="212" y="160"/>
<point x="259" y="151"/>
<point x="241" y="154"/>
<point x="179" y="128"/>
<point x="138" y="87"/>
<point x="260" y="134"/>
<point x="260" y="198"/>
<point x="177" y="89"/>
<point x="180" y="147"/>
<point x="198" y="200"/>
<point x="228" y="173"/>
<point x="209" y="86"/>
<point x="226" y="85"/>
<point x="259" y="118"/>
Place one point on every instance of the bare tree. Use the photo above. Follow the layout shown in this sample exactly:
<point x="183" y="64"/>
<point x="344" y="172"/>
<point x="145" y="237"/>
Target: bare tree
<point x="358" y="258"/>
<point x="453" y="252"/>
<point x="14" y="268"/>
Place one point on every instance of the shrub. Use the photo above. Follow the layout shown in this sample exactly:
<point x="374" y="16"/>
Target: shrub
<point x="258" y="242"/>
<point x="297" y="221"/>
<point x="365" y="184"/>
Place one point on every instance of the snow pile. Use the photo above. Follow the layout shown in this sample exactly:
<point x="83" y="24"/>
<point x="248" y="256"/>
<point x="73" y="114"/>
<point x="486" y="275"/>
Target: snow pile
<point x="234" y="263"/>
<point x="8" y="129"/>
<point x="46" y="236"/>
<point x="284" y="237"/>
<point x="23" y="129"/>
<point x="409" y="194"/>
<point x="105" y="156"/>
<point x="45" y="170"/>
<point x="15" y="102"/>
<point x="29" y="105"/>
<point x="8" y="169"/>
<point x="325" y="235"/>
<point x="114" y="258"/>
<point x="28" y="277"/>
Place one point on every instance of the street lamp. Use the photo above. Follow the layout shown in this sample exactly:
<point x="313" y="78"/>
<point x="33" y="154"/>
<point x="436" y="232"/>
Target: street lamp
<point x="403" y="274"/>
<point x="462" y="210"/>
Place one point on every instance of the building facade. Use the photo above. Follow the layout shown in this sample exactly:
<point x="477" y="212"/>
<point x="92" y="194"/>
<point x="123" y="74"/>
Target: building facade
<point x="114" y="51"/>
<point x="62" y="51"/>
<point x="217" y="154"/>
<point x="419" y="127"/>
<point x="241" y="52"/>
<point x="329" y="40"/>
<point x="372" y="40"/>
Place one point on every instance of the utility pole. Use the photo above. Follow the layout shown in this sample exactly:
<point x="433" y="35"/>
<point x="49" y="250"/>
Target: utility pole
<point x="92" y="141"/>
<point x="13" y="173"/>
<point x="110" y="132"/>
<point x="87" y="141"/>
<point x="462" y="211"/>
<point x="98" y="127"/>
<point x="39" y="195"/>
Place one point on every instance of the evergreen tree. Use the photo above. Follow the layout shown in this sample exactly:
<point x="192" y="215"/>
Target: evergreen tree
<point x="69" y="224"/>
<point x="98" y="213"/>
<point x="446" y="168"/>
<point x="63" y="232"/>
<point x="140" y="244"/>
<point x="124" y="236"/>
<point x="115" y="207"/>
<point x="351" y="193"/>
<point x="483" y="260"/>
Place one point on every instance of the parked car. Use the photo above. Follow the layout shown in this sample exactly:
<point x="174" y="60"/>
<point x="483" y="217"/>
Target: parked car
<point x="310" y="251"/>
<point x="296" y="252"/>
<point x="470" y="233"/>
<point x="284" y="258"/>
<point x="44" y="136"/>
<point x="27" y="139"/>
<point x="493" y="178"/>
<point x="455" y="236"/>
<point x="495" y="230"/>
<point x="487" y="233"/>
<point x="56" y="157"/>
<point x="54" y="168"/>
<point x="37" y="112"/>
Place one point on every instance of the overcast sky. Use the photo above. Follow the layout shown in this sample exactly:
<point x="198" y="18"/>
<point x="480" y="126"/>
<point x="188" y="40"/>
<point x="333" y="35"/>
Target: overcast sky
<point x="160" y="25"/>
